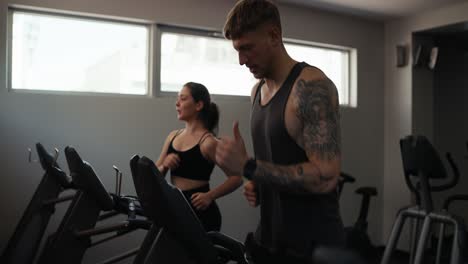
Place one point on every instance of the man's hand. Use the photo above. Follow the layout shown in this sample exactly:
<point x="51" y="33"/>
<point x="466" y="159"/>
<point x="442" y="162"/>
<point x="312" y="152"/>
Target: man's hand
<point x="250" y="193"/>
<point x="201" y="201"/>
<point x="231" y="154"/>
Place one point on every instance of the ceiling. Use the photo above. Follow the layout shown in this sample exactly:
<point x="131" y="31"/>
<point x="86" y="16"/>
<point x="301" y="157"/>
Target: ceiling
<point x="374" y="9"/>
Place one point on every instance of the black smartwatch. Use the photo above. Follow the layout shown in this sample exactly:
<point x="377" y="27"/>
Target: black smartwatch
<point x="249" y="168"/>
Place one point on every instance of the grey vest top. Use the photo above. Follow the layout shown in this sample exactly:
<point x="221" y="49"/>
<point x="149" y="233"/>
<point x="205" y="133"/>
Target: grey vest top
<point x="289" y="222"/>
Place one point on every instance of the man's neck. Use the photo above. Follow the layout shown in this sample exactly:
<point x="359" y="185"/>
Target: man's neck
<point x="280" y="71"/>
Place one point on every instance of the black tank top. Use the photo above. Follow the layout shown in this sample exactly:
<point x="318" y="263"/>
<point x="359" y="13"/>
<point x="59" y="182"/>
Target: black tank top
<point x="192" y="164"/>
<point x="289" y="222"/>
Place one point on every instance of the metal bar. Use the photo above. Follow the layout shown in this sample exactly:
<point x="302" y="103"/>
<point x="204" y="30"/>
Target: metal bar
<point x="118" y="234"/>
<point x="121" y="257"/>
<point x="394" y="236"/>
<point x="425" y="231"/>
<point x="108" y="215"/>
<point x="58" y="200"/>
<point x="120" y="183"/>
<point x="102" y="230"/>
<point x="440" y="242"/>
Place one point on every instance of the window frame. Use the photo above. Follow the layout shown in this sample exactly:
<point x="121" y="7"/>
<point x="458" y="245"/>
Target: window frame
<point x="11" y="9"/>
<point x="192" y="31"/>
<point x="203" y="32"/>
<point x="153" y="71"/>
<point x="351" y="91"/>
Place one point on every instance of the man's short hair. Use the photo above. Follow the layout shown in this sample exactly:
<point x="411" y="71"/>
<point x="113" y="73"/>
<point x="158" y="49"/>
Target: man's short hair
<point x="248" y="15"/>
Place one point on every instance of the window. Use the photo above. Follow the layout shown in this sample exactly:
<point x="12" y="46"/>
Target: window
<point x="208" y="58"/>
<point x="334" y="62"/>
<point x="79" y="54"/>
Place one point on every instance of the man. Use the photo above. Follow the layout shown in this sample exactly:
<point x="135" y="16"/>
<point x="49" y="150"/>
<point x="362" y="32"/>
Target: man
<point x="296" y="138"/>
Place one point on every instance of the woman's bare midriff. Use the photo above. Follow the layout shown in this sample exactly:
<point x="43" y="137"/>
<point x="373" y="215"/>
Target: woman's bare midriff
<point x="185" y="184"/>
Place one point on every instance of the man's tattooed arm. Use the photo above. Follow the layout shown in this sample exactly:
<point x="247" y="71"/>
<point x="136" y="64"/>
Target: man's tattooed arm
<point x="301" y="179"/>
<point x="317" y="110"/>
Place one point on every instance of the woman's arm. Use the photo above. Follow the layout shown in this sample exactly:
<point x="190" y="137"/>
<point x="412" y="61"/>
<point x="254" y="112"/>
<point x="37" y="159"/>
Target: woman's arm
<point x="165" y="162"/>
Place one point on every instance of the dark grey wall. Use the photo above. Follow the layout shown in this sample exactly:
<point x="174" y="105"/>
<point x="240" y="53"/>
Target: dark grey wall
<point x="451" y="107"/>
<point x="107" y="130"/>
<point x="423" y="82"/>
<point x="440" y="99"/>
<point x="399" y="102"/>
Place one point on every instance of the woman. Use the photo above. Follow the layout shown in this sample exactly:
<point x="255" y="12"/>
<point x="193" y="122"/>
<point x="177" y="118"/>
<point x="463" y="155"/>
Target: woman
<point x="189" y="154"/>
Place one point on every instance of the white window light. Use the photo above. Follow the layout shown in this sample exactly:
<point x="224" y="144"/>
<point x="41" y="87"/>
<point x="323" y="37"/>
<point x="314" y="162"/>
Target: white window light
<point x="206" y="57"/>
<point x="56" y="52"/>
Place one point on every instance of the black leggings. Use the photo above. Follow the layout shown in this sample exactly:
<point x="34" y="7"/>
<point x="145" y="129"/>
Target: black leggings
<point x="211" y="216"/>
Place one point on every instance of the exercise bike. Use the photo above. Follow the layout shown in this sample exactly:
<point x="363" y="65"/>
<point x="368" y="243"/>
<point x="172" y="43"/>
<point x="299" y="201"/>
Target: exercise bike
<point x="357" y="238"/>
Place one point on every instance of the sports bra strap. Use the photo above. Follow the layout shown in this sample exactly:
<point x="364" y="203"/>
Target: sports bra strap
<point x="204" y="136"/>
<point x="177" y="133"/>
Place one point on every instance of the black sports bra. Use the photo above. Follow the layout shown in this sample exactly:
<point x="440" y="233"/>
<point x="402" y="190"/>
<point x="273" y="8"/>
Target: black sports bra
<point x="192" y="164"/>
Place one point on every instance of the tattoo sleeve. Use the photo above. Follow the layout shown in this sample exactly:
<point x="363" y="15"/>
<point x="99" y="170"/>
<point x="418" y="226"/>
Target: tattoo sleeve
<point x="317" y="110"/>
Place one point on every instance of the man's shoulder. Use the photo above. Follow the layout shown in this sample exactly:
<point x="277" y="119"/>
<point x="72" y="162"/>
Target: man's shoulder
<point x="312" y="73"/>
<point x="312" y="76"/>
<point x="313" y="82"/>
